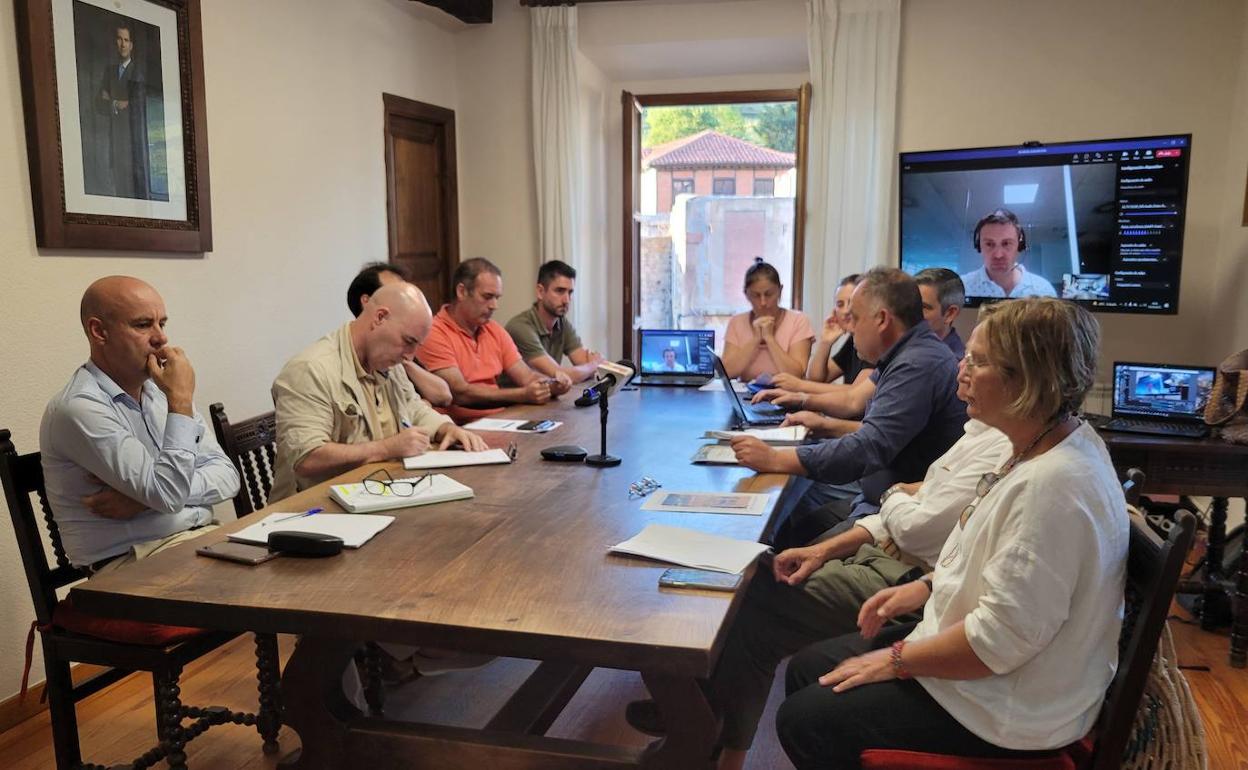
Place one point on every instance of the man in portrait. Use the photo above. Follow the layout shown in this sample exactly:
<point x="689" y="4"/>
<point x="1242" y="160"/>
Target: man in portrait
<point x="120" y="99"/>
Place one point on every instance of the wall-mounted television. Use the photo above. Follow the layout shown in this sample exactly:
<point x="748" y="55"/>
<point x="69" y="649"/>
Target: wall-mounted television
<point x="1096" y="222"/>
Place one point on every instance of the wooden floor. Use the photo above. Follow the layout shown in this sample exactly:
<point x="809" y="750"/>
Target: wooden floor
<point x="116" y="725"/>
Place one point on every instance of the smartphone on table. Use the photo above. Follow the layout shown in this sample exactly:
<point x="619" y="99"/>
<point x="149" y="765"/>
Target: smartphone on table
<point x="684" y="577"/>
<point x="243" y="553"/>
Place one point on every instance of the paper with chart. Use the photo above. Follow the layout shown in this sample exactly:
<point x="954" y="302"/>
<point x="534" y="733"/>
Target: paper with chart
<point x="741" y="503"/>
<point x="690" y="548"/>
<point x="355" y="530"/>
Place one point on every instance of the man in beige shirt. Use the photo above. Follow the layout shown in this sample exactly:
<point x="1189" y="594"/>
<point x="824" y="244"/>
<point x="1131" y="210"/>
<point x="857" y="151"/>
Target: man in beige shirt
<point x="345" y="401"/>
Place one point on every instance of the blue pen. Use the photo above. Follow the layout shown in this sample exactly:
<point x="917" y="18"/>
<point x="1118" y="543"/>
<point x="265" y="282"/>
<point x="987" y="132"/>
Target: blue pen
<point x="309" y="512"/>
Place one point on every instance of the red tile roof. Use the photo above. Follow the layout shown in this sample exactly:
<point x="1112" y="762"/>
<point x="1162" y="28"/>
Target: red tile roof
<point x="711" y="149"/>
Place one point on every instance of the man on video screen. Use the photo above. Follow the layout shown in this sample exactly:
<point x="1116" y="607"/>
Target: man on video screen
<point x="999" y="238"/>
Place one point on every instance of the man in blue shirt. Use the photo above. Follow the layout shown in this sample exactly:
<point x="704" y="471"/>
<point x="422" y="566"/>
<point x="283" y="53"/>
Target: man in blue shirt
<point x="129" y="464"/>
<point x="943" y="296"/>
<point x="913" y="417"/>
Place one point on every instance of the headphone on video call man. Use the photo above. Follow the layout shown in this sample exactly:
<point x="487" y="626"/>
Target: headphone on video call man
<point x="1001" y="217"/>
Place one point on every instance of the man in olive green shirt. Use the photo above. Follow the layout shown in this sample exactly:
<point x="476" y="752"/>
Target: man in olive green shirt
<point x="345" y="401"/>
<point x="543" y="334"/>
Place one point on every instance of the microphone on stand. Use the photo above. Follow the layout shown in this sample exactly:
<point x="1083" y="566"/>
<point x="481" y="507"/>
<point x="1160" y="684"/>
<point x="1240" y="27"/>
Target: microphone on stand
<point x="611" y="377"/>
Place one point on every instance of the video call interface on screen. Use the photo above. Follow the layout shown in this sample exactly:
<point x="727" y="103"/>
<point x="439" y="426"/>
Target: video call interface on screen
<point x="1102" y="221"/>
<point x="677" y="351"/>
<point x="1161" y="391"/>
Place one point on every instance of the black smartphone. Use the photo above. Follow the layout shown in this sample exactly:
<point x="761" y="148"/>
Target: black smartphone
<point x="534" y="425"/>
<point x="683" y="577"/>
<point x="243" y="553"/>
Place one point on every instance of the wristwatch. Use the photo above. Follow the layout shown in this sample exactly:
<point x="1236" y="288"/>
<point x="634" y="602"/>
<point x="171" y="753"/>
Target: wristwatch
<point x="894" y="489"/>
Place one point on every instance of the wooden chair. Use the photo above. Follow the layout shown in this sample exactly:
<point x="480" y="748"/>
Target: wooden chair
<point x="252" y="446"/>
<point x="1153" y="567"/>
<point x="129" y="646"/>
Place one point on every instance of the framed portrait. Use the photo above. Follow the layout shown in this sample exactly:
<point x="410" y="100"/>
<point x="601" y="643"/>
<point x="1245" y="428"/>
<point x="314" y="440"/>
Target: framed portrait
<point x="115" y="127"/>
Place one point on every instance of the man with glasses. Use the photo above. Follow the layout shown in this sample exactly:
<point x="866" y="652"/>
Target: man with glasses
<point x="346" y="401"/>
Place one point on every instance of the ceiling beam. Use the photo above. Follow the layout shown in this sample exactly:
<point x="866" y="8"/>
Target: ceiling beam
<point x="467" y="11"/>
<point x="549" y="3"/>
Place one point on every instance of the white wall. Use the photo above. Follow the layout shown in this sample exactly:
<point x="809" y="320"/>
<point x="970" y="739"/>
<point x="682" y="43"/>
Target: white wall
<point x="298" y="202"/>
<point x="497" y="193"/>
<point x="986" y="72"/>
<point x="1228" y="325"/>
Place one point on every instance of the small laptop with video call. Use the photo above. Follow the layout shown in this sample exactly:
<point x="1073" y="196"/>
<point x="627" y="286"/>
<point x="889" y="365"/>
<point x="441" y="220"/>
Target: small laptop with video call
<point x="676" y="357"/>
<point x="1161" y="399"/>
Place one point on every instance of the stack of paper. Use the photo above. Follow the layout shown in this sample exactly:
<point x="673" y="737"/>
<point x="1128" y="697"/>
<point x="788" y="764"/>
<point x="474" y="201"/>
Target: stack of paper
<point x="690" y="548"/>
<point x="355" y="531"/>
<point x="509" y="426"/>
<point x="791" y="434"/>
<point x="454" y="458"/>
<point x="434" y="488"/>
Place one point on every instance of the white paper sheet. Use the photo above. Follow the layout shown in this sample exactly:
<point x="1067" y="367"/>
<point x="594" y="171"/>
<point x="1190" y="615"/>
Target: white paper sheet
<point x="690" y="548"/>
<point x="454" y="458"/>
<point x="355" y="530"/>
<point x="792" y="434"/>
<point x="715" y="454"/>
<point x="507" y="426"/>
<point x="715" y="386"/>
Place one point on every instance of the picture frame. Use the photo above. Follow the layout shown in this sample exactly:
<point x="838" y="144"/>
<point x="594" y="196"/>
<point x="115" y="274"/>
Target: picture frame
<point x="116" y="130"/>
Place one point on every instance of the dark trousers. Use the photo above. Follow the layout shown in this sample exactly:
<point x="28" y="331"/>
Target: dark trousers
<point x="819" y="510"/>
<point x="822" y="729"/>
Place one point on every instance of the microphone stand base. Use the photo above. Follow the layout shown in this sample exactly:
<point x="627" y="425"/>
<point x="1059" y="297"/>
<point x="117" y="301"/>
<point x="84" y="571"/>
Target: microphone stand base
<point x="603" y="461"/>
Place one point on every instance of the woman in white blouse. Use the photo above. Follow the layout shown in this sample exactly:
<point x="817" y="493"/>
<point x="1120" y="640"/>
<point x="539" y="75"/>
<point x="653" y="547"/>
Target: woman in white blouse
<point x="1019" y="636"/>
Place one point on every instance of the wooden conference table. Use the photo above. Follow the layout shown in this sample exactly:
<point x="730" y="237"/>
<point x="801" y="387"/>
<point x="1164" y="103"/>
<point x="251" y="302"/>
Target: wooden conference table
<point x="520" y="570"/>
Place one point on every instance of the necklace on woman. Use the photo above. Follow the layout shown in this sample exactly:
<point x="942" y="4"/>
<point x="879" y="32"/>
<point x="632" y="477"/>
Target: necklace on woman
<point x="990" y="479"/>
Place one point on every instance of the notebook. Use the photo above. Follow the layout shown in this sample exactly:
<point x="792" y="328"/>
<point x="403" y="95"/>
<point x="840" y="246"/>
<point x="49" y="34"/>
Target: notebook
<point x="454" y="458"/>
<point x="1161" y="399"/>
<point x="435" y="488"/>
<point x="355" y="531"/>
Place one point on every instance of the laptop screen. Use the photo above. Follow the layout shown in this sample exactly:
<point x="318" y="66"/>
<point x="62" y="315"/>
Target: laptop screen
<point x="677" y="351"/>
<point x="1158" y="390"/>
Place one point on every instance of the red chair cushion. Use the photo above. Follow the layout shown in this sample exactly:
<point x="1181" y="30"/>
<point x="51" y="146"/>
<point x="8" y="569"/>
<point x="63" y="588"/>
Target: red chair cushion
<point x="69" y="618"/>
<point x="889" y="759"/>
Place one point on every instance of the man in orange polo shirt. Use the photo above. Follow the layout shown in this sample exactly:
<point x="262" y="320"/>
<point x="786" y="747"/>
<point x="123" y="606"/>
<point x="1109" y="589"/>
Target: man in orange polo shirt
<point x="469" y="350"/>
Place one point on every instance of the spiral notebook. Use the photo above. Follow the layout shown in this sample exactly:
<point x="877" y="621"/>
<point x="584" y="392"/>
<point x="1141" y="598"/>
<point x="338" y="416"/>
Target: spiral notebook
<point x="434" y="488"/>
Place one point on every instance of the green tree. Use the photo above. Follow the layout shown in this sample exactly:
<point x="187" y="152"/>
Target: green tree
<point x="777" y="126"/>
<point x="664" y="124"/>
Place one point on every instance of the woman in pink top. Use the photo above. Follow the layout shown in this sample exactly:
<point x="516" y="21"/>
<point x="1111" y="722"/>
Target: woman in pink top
<point x="769" y="339"/>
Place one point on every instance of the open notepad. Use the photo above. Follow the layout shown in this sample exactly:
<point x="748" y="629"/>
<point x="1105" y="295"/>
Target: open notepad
<point x="435" y="488"/>
<point x="454" y="458"/>
<point x="690" y="548"/>
<point x="354" y="530"/>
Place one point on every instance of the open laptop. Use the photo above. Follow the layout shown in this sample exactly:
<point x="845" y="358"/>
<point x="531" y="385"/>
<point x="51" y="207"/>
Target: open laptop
<point x="1161" y="399"/>
<point x="748" y="415"/>
<point x="676" y="357"/>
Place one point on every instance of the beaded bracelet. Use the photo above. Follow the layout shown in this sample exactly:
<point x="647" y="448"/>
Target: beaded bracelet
<point x="899" y="668"/>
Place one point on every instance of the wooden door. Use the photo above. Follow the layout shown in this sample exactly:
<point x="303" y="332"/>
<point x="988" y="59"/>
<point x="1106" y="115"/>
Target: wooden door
<point x="421" y="194"/>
